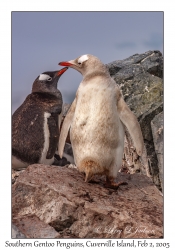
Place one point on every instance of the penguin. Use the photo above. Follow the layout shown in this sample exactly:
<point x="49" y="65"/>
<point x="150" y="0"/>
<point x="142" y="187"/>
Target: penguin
<point x="96" y="120"/>
<point x="35" y="124"/>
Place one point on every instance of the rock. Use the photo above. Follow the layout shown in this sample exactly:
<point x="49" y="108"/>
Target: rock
<point x="140" y="80"/>
<point x="157" y="131"/>
<point x="150" y="61"/>
<point x="15" y="174"/>
<point x="145" y="123"/>
<point x="16" y="233"/>
<point x="33" y="227"/>
<point x="59" y="197"/>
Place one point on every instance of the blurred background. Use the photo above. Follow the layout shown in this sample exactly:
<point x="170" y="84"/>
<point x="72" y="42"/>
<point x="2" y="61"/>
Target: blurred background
<point x="40" y="40"/>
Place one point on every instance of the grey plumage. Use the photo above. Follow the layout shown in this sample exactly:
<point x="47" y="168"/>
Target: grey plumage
<point x="28" y="129"/>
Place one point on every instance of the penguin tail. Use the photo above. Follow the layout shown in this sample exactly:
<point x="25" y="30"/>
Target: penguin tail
<point x="88" y="175"/>
<point x="90" y="167"/>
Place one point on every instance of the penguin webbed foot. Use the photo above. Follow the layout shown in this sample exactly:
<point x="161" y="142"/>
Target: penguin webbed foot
<point x="110" y="183"/>
<point x="60" y="161"/>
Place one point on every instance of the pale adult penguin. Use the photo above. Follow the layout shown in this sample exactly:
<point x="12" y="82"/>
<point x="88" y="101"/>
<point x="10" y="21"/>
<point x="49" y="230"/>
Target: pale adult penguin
<point x="35" y="125"/>
<point x="95" y="120"/>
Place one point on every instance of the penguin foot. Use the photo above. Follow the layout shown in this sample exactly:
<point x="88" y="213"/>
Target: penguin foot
<point x="110" y="183"/>
<point x="60" y="162"/>
<point x="95" y="180"/>
<point x="115" y="185"/>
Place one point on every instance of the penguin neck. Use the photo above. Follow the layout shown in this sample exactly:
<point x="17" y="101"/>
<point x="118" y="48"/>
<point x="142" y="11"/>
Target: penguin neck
<point x="90" y="75"/>
<point x="99" y="70"/>
<point x="55" y="93"/>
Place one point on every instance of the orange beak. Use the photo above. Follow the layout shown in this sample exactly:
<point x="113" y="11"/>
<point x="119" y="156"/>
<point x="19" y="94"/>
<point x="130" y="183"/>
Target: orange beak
<point x="65" y="64"/>
<point x="61" y="71"/>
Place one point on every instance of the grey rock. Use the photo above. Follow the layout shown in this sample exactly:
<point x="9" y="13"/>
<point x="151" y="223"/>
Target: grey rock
<point x="16" y="233"/>
<point x="145" y="121"/>
<point x="140" y="80"/>
<point x="157" y="131"/>
<point x="59" y="197"/>
<point x="150" y="61"/>
<point x="141" y="90"/>
<point x="33" y="227"/>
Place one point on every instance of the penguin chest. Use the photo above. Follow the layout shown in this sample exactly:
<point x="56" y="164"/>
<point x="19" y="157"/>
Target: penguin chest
<point x="96" y="121"/>
<point x="44" y="158"/>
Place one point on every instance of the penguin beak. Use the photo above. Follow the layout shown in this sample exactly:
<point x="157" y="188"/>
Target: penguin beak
<point x="60" y="72"/>
<point x="69" y="63"/>
<point x="72" y="64"/>
<point x="65" y="64"/>
<point x="57" y="75"/>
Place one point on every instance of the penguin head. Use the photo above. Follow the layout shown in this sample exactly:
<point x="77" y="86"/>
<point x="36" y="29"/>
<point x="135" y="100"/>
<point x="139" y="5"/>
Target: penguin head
<point x="85" y="64"/>
<point x="47" y="81"/>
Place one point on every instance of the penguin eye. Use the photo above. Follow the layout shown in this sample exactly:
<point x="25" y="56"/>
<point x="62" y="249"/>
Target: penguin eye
<point x="49" y="79"/>
<point x="82" y="59"/>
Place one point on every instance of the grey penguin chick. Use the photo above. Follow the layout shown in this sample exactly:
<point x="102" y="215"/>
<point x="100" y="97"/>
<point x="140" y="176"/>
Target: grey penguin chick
<point x="96" y="119"/>
<point x="35" y="124"/>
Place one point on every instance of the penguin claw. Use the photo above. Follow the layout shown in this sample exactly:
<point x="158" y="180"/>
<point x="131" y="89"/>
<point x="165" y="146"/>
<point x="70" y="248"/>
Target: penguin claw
<point x="60" y="161"/>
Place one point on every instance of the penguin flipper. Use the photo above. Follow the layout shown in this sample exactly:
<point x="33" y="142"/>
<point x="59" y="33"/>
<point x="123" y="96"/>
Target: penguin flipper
<point x="130" y="121"/>
<point x="54" y="135"/>
<point x="60" y="116"/>
<point x="65" y="128"/>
